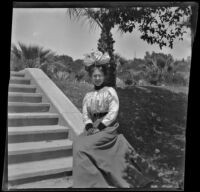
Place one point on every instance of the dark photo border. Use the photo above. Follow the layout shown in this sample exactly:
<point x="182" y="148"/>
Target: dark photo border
<point x="193" y="111"/>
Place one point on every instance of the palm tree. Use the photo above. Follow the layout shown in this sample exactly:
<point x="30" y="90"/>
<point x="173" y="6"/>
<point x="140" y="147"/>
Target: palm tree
<point x="100" y="17"/>
<point x="34" y="56"/>
<point x="148" y="20"/>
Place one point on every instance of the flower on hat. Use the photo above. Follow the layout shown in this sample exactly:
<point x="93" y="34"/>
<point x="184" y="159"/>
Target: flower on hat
<point x="88" y="60"/>
<point x="105" y="58"/>
<point x="97" y="58"/>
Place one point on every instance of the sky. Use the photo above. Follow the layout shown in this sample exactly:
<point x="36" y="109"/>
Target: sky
<point x="52" y="29"/>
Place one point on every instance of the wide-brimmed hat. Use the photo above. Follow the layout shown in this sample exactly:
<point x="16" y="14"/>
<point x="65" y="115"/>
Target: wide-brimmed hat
<point x="96" y="58"/>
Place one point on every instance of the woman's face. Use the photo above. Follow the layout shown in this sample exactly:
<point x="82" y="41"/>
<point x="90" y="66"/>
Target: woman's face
<point x="97" y="77"/>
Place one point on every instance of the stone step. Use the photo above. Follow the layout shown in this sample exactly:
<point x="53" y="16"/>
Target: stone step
<point x="22" y="88"/>
<point x="17" y="74"/>
<point x="30" y="119"/>
<point x="19" y="107"/>
<point x="36" y="133"/>
<point x="34" y="151"/>
<point x="58" y="182"/>
<point x="19" y="80"/>
<point x="29" y="171"/>
<point x="24" y="97"/>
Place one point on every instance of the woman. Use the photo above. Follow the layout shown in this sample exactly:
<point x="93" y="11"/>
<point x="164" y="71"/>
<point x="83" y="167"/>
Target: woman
<point x="101" y="156"/>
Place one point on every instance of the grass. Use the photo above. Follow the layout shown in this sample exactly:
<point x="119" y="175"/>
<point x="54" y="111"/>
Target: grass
<point x="74" y="90"/>
<point x="155" y="126"/>
<point x="153" y="120"/>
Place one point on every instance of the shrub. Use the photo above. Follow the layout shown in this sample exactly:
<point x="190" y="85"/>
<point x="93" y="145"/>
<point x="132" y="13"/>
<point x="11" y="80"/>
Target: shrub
<point x="138" y="76"/>
<point x="153" y="76"/>
<point x="179" y="79"/>
<point x="16" y="64"/>
<point x="126" y="77"/>
<point x="83" y="76"/>
<point x="80" y="75"/>
<point x="131" y="77"/>
<point x="120" y="83"/>
<point x="128" y="81"/>
<point x="175" y="79"/>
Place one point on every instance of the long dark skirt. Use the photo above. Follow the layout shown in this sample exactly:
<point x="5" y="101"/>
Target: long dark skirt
<point x="106" y="160"/>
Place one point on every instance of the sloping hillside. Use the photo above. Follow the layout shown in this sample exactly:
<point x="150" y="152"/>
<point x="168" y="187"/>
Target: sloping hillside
<point x="154" y="122"/>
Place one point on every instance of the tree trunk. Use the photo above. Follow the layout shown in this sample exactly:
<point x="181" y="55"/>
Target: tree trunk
<point x="105" y="44"/>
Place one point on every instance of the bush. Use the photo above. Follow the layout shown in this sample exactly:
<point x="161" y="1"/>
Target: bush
<point x="157" y="77"/>
<point x="176" y="78"/>
<point x="128" y="81"/>
<point x="120" y="83"/>
<point x="16" y="64"/>
<point x="179" y="79"/>
<point x="138" y="76"/>
<point x="153" y="76"/>
<point x="80" y="75"/>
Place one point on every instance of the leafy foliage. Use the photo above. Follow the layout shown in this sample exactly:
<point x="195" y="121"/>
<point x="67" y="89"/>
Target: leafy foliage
<point x="161" y="68"/>
<point x="153" y="120"/>
<point x="83" y="76"/>
<point x="32" y="55"/>
<point x="77" y="65"/>
<point x="15" y="62"/>
<point x="65" y="59"/>
<point x="154" y="68"/>
<point x="158" y="25"/>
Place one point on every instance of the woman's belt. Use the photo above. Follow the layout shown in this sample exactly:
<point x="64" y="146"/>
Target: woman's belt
<point x="99" y="115"/>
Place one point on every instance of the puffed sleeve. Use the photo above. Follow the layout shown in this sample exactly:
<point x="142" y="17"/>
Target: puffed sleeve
<point x="85" y="113"/>
<point x="113" y="107"/>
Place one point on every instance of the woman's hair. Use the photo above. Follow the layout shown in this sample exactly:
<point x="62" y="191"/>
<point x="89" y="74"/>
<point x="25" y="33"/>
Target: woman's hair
<point x="102" y="68"/>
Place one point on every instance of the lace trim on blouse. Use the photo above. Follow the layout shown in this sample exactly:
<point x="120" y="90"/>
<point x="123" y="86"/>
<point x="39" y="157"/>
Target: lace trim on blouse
<point x="101" y="101"/>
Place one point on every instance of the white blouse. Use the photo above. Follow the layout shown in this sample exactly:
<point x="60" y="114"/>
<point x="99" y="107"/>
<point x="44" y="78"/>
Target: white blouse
<point x="101" y="101"/>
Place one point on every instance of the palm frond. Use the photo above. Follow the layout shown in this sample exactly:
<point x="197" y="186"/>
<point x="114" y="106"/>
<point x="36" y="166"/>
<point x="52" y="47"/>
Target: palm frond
<point x="34" y="51"/>
<point x="28" y="52"/>
<point x="84" y="14"/>
<point x="120" y="30"/>
<point x="61" y="65"/>
<point x="75" y="13"/>
<point x="55" y="64"/>
<point x="46" y="53"/>
<point x="33" y="55"/>
<point x="16" y="52"/>
<point x="90" y="14"/>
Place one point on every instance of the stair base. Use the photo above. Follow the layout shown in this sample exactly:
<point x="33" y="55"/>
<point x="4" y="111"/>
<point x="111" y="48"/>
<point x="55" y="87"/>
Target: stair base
<point x="59" y="180"/>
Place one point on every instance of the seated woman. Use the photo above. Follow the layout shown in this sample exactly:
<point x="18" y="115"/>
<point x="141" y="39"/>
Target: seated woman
<point x="101" y="156"/>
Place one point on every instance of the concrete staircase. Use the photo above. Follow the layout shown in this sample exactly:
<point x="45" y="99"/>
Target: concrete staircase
<point x="39" y="147"/>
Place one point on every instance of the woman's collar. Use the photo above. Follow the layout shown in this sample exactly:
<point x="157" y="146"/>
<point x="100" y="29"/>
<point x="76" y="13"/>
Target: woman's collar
<point x="99" y="87"/>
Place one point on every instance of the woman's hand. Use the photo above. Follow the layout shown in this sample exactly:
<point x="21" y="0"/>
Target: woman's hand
<point x="92" y="131"/>
<point x="95" y="131"/>
<point x="88" y="126"/>
<point x="97" y="122"/>
<point x="93" y="128"/>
